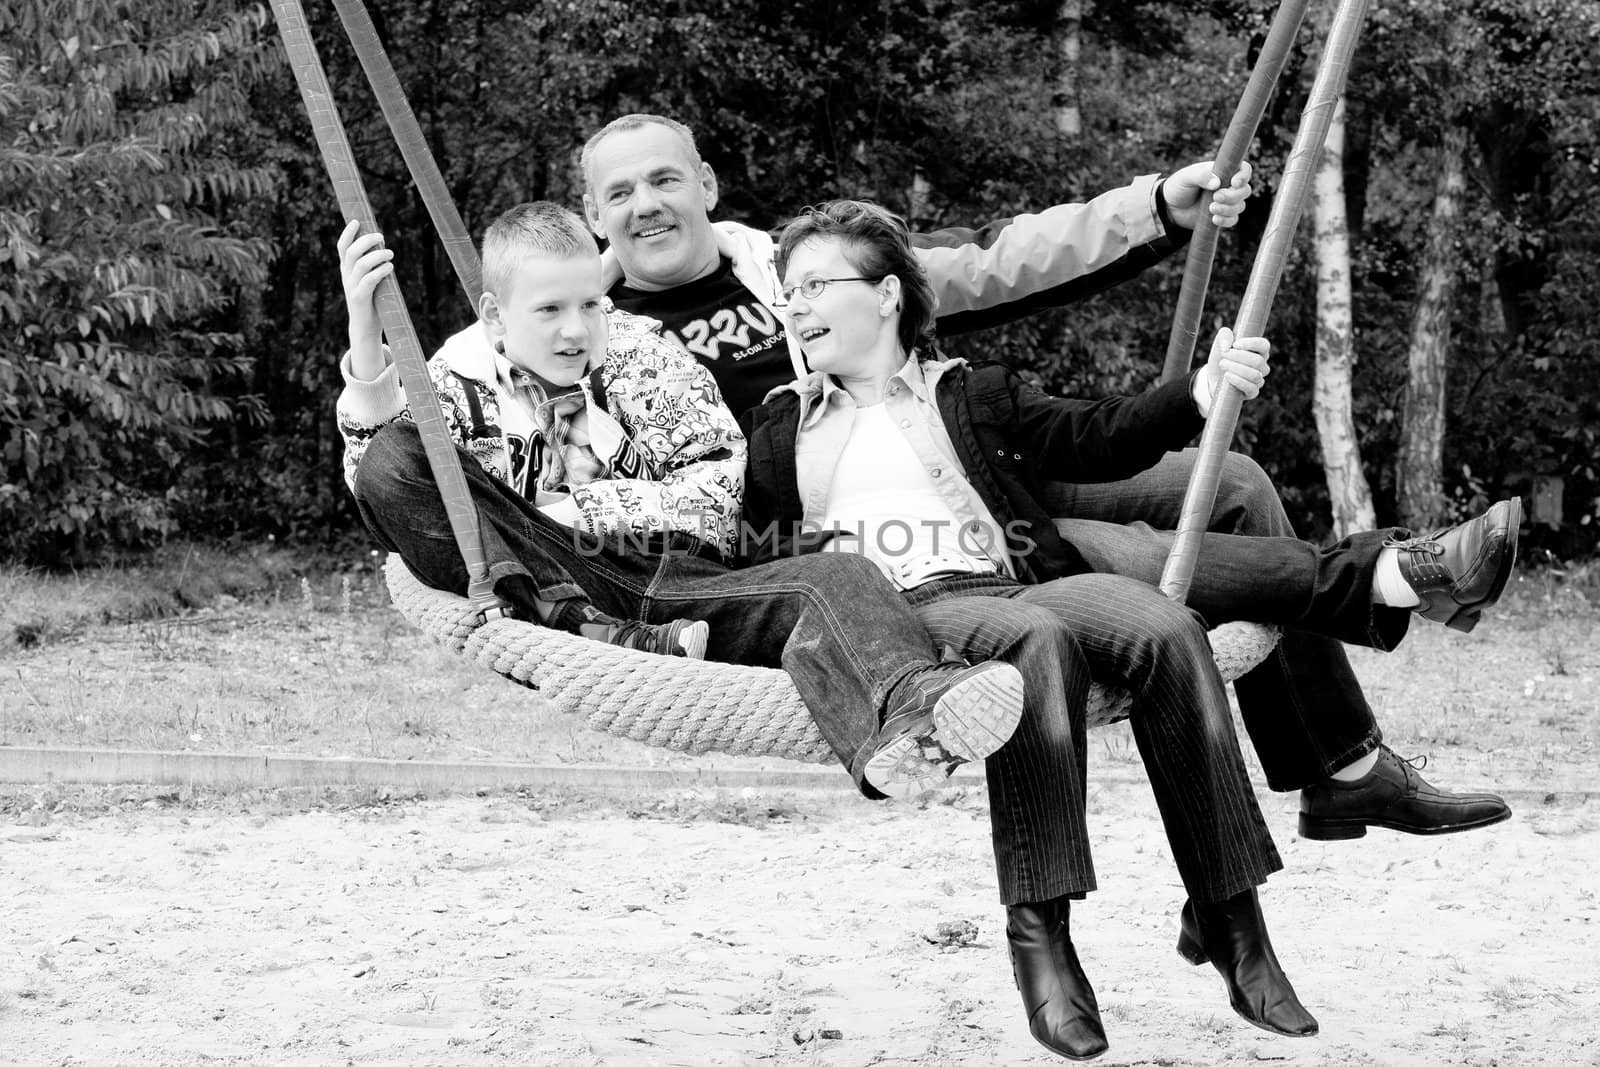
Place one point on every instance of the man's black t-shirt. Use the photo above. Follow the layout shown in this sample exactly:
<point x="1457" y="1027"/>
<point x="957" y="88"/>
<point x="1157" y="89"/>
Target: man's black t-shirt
<point x="723" y="325"/>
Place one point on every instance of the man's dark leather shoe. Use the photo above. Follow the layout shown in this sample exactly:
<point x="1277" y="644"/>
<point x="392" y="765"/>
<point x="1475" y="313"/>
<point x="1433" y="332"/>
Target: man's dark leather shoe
<point x="1232" y="934"/>
<point x="1395" y="796"/>
<point x="1062" y="1013"/>
<point x="1459" y="571"/>
<point x="940" y="718"/>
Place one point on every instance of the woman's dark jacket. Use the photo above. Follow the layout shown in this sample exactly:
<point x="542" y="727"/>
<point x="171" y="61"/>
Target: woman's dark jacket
<point x="1010" y="437"/>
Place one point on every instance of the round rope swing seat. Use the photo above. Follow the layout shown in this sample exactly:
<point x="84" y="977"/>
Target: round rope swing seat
<point x="694" y="706"/>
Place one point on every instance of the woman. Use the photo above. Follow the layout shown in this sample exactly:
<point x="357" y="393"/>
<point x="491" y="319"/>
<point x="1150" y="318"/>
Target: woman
<point x="931" y="469"/>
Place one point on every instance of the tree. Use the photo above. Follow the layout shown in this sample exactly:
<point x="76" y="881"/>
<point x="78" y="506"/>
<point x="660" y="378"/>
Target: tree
<point x="1332" y="402"/>
<point x="1066" y="36"/>
<point x="943" y="108"/>
<point x="1419" y="467"/>
<point x="1488" y="110"/>
<point x="119" y="262"/>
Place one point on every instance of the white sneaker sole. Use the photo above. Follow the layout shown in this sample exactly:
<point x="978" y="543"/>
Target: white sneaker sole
<point x="692" y="639"/>
<point x="971" y="720"/>
<point x="980" y="713"/>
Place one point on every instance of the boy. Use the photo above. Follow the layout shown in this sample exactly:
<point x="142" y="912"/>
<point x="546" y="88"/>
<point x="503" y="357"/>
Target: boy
<point x="520" y="393"/>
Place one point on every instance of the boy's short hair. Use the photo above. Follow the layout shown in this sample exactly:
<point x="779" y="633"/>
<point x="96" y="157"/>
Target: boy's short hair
<point x="878" y="243"/>
<point x="635" y="121"/>
<point x="535" y="228"/>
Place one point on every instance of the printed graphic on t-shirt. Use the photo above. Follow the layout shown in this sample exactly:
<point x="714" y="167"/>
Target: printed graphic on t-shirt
<point x="724" y="326"/>
<point x="517" y="446"/>
<point x="527" y="456"/>
<point x="730" y="333"/>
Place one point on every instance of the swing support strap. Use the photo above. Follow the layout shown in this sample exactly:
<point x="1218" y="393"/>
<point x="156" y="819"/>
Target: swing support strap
<point x="392" y="312"/>
<point x="425" y="173"/>
<point x="1293" y="192"/>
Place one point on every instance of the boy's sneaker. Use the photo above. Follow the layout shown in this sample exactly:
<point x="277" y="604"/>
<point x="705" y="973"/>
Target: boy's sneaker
<point x="939" y="719"/>
<point x="676" y="638"/>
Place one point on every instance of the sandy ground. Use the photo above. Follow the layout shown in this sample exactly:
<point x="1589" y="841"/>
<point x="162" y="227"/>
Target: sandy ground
<point x="703" y="929"/>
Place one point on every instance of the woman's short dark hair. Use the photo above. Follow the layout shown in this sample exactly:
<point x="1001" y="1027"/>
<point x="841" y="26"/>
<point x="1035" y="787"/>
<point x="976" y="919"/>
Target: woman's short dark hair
<point x="877" y="242"/>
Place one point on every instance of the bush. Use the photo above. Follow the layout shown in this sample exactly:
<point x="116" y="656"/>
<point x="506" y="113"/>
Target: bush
<point x="118" y="269"/>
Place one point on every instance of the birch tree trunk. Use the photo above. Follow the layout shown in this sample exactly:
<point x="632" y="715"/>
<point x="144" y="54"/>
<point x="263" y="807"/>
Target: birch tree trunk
<point x="1065" y="35"/>
<point x="917" y="197"/>
<point x="1332" y="393"/>
<point x="1419" y="468"/>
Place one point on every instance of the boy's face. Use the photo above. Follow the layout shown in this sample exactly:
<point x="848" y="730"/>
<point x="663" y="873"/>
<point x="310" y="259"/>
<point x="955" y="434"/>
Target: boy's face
<point x="550" y="320"/>
<point x="649" y="198"/>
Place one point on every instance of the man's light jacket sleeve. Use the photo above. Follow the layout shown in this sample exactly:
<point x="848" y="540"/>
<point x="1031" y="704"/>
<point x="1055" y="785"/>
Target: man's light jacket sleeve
<point x="1014" y="266"/>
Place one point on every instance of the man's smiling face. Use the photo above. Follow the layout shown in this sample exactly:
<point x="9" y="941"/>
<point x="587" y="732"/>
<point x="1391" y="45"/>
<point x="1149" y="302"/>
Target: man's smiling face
<point x="650" y="197"/>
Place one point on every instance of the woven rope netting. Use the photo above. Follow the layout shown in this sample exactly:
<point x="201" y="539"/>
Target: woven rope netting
<point x="689" y="705"/>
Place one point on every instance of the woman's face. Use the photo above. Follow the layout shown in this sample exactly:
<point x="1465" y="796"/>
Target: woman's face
<point x="841" y="329"/>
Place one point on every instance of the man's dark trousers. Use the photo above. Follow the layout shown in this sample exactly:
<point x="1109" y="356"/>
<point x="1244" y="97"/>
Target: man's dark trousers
<point x="1302" y="706"/>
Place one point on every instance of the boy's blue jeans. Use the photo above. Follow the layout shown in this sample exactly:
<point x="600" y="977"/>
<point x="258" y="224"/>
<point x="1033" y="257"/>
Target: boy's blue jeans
<point x="845" y="636"/>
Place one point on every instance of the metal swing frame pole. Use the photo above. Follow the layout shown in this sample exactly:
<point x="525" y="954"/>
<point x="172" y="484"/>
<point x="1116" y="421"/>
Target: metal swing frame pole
<point x="1293" y="192"/>
<point x="1235" y="143"/>
<point x="396" y="319"/>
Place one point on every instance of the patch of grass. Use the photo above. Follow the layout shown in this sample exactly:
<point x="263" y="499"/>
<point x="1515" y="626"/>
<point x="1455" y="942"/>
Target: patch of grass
<point x="290" y="655"/>
<point x="41" y="805"/>
<point x="1117" y="744"/>
<point x="1461" y="1030"/>
<point x="1487" y="707"/>
<point x="1566" y="598"/>
<point x="1516" y="993"/>
<point x="265" y="651"/>
<point x="691" y="806"/>
<point x="38" y="606"/>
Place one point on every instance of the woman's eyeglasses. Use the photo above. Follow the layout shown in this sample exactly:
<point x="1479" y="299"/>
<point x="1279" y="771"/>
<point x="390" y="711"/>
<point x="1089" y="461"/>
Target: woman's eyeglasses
<point x="812" y="288"/>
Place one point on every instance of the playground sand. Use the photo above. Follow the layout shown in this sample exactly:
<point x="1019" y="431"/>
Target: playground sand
<point x="153" y="926"/>
<point x="561" y="929"/>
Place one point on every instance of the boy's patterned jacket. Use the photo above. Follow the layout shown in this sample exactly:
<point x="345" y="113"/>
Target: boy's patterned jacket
<point x="674" y="452"/>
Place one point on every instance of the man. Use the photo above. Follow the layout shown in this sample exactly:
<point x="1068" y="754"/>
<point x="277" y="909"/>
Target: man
<point x="649" y="194"/>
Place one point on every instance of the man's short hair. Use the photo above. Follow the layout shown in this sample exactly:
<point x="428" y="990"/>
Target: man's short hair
<point x="635" y="121"/>
<point x="878" y="243"/>
<point x="535" y="228"/>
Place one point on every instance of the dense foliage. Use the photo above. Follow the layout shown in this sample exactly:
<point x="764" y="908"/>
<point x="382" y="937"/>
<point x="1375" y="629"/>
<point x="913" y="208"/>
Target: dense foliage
<point x="170" y="307"/>
<point x="122" y="260"/>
